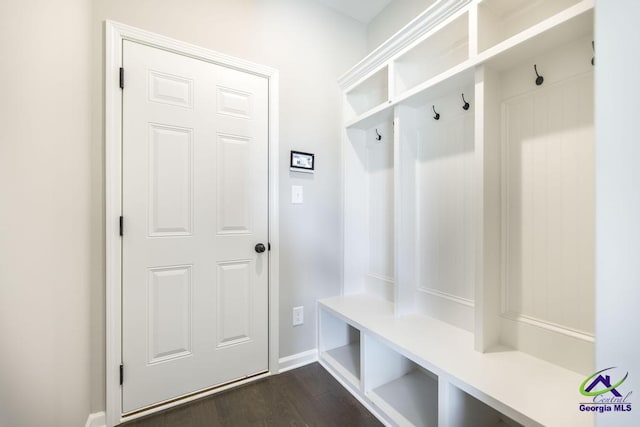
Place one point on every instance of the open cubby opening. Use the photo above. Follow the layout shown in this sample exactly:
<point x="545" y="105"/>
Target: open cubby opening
<point x="442" y="50"/>
<point x="403" y="390"/>
<point x="464" y="410"/>
<point x="370" y="93"/>
<point x="498" y="20"/>
<point x="369" y="233"/>
<point x="340" y="346"/>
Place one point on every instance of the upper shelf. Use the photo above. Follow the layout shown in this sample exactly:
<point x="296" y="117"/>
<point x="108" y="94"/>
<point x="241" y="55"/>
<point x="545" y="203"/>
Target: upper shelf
<point x="371" y="92"/>
<point x="499" y="20"/>
<point x="440" y="51"/>
<point x="570" y="24"/>
<point x="506" y="379"/>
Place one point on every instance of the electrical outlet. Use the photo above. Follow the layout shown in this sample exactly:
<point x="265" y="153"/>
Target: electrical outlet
<point x="298" y="315"/>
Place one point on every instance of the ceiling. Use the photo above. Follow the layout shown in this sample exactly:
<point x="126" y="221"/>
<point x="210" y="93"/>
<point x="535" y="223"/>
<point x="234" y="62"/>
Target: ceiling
<point x="362" y="10"/>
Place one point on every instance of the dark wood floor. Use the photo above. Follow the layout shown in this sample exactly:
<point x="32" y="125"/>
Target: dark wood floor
<point x="307" y="396"/>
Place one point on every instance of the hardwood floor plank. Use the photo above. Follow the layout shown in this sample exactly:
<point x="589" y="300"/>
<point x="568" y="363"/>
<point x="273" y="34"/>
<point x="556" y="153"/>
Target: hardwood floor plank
<point x="307" y="396"/>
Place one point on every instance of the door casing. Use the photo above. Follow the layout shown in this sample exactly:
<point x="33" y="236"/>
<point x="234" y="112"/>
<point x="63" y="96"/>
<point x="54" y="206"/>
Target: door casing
<point x="115" y="34"/>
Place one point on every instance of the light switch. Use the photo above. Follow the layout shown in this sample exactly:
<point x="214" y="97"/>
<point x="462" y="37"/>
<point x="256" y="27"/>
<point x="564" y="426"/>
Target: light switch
<point x="297" y="196"/>
<point x="298" y="315"/>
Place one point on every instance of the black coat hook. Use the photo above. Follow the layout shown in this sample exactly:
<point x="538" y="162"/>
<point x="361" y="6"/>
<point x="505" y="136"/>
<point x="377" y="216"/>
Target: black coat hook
<point x="437" y="115"/>
<point x="593" y="46"/>
<point x="539" y="78"/>
<point x="465" y="107"/>
<point x="378" y="136"/>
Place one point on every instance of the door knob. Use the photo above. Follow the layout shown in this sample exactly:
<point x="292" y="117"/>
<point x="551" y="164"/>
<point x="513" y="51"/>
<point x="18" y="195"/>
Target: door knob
<point x="260" y="248"/>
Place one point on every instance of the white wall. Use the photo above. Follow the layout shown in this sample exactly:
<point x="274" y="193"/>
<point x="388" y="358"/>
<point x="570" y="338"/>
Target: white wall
<point x="311" y="45"/>
<point x="618" y="197"/>
<point x="392" y="18"/>
<point x="45" y="212"/>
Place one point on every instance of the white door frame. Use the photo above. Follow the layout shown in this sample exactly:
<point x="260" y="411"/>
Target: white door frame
<point x="115" y="34"/>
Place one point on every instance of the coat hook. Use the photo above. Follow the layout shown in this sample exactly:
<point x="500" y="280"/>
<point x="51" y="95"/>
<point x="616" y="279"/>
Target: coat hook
<point x="539" y="79"/>
<point x="593" y="46"/>
<point x="378" y="136"/>
<point x="466" y="104"/>
<point x="437" y="115"/>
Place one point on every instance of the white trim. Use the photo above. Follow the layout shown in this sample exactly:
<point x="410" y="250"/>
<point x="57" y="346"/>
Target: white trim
<point x="447" y="296"/>
<point x="382" y="278"/>
<point x="549" y="326"/>
<point x="97" y="419"/>
<point x="115" y="34"/>
<point x="415" y="29"/>
<point x="298" y="360"/>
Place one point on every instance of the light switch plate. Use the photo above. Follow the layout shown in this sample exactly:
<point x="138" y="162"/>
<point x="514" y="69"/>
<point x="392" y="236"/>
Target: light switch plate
<point x="298" y="315"/>
<point x="297" y="194"/>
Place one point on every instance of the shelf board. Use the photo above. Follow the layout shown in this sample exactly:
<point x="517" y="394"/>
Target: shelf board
<point x="409" y="400"/>
<point x="346" y="361"/>
<point x="524" y="388"/>
<point x="460" y="75"/>
<point x="563" y="27"/>
<point x="372" y="117"/>
<point x="440" y="85"/>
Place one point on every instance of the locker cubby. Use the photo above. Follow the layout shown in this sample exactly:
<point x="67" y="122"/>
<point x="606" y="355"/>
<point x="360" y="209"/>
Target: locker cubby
<point x="370" y="93"/>
<point x="436" y="185"/>
<point x="464" y="410"/>
<point x="403" y="390"/>
<point x="540" y="141"/>
<point x="443" y="49"/>
<point x="340" y="347"/>
<point x="369" y="210"/>
<point x="498" y="20"/>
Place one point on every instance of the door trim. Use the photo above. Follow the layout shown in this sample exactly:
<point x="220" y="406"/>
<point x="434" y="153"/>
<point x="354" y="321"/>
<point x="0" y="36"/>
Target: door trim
<point x="115" y="34"/>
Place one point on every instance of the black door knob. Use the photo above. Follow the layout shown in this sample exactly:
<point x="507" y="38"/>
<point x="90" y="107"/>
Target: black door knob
<point x="260" y="248"/>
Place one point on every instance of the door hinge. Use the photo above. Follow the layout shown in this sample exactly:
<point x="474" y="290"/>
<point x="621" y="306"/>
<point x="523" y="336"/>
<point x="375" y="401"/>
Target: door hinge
<point x="121" y="373"/>
<point x="121" y="225"/>
<point x="121" y="78"/>
<point x="269" y="246"/>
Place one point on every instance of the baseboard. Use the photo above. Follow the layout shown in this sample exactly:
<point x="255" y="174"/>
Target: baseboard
<point x="297" y="360"/>
<point x="96" y="419"/>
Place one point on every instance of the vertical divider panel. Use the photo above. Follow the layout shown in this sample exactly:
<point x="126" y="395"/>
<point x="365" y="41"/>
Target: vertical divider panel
<point x="487" y="209"/>
<point x="444" y="404"/>
<point x="366" y="368"/>
<point x="406" y="136"/>
<point x="473" y="30"/>
<point x="391" y="81"/>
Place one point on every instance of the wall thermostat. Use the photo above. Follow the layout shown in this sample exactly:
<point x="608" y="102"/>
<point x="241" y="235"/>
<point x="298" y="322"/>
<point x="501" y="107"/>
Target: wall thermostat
<point x="302" y="162"/>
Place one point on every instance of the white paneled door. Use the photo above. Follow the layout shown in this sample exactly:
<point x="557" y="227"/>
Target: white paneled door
<point x="195" y="210"/>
